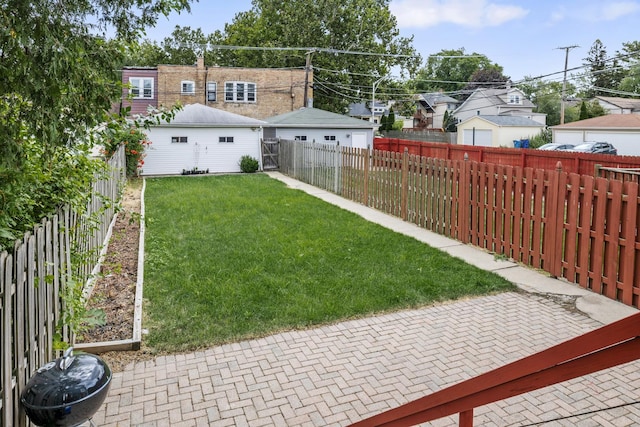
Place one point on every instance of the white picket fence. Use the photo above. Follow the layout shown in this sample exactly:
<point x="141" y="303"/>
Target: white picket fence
<point x="31" y="281"/>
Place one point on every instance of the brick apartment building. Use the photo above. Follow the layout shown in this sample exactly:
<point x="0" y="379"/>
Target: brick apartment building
<point x="252" y="92"/>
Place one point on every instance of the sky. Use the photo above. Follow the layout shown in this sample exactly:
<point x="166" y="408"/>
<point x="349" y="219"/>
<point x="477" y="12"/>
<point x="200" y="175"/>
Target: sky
<point x="526" y="38"/>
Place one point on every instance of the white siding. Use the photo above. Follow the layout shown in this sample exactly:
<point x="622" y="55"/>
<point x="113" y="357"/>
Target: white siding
<point x="568" y="137"/>
<point x="627" y="143"/>
<point x="203" y="150"/>
<point x="343" y="136"/>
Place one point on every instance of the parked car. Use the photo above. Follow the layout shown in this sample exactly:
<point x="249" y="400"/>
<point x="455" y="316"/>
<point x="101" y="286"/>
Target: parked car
<point x="596" y="147"/>
<point x="556" y="146"/>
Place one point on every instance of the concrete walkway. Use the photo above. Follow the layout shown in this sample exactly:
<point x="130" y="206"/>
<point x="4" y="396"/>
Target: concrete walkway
<point x="338" y="374"/>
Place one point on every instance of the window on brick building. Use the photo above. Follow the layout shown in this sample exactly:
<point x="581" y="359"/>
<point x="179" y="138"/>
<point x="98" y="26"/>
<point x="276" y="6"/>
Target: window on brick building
<point x="141" y="87"/>
<point x="212" y="88"/>
<point x="239" y="92"/>
<point x="188" y="87"/>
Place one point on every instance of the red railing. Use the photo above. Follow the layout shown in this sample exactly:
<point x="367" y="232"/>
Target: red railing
<point x="609" y="346"/>
<point x="582" y="163"/>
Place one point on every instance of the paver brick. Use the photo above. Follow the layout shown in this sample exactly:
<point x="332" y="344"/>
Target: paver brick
<point x="338" y="374"/>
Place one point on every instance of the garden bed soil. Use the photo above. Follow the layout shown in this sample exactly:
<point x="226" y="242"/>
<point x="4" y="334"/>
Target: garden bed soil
<point x="115" y="287"/>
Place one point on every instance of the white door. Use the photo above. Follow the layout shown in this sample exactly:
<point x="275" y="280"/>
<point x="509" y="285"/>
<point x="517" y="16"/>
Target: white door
<point x="477" y="137"/>
<point x="359" y="140"/>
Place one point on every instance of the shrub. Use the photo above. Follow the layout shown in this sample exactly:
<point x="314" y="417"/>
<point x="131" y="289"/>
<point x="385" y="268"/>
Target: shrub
<point x="248" y="164"/>
<point x="135" y="142"/>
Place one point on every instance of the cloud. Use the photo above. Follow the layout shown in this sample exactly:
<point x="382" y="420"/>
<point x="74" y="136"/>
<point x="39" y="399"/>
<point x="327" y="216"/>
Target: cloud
<point x="597" y="11"/>
<point x="612" y="11"/>
<point x="466" y="13"/>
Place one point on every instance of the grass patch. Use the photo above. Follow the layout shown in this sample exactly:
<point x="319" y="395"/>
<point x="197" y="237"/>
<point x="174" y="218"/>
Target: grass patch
<point x="241" y="256"/>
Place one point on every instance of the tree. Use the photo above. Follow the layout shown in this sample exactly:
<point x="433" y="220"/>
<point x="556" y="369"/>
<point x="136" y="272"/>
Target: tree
<point x="449" y="122"/>
<point x="182" y="47"/>
<point x="391" y="119"/>
<point x="604" y="73"/>
<point x="59" y="80"/>
<point x="486" y="78"/>
<point x="336" y="27"/>
<point x="584" y="113"/>
<point x="451" y="70"/>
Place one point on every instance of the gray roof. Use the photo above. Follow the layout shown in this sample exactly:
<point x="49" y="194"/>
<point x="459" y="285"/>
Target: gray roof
<point x="316" y="118"/>
<point x="494" y="96"/>
<point x="434" y="98"/>
<point x="628" y="103"/>
<point x="198" y="115"/>
<point x="359" y="109"/>
<point x="514" y="121"/>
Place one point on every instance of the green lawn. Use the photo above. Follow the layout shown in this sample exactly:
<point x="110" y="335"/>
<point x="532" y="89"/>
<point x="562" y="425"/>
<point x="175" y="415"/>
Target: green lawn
<point x="241" y="256"/>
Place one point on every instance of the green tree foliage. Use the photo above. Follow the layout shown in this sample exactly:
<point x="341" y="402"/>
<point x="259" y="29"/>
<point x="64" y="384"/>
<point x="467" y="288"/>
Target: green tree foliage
<point x="391" y="119"/>
<point x="451" y="70"/>
<point x="486" y="78"/>
<point x="584" y="113"/>
<point x="58" y="81"/>
<point x="604" y="72"/>
<point x="449" y="122"/>
<point x="339" y="26"/>
<point x="182" y="47"/>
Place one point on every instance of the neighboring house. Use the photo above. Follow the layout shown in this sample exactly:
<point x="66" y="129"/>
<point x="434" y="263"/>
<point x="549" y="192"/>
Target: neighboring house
<point x="362" y="110"/>
<point x="621" y="130"/>
<point x="202" y="138"/>
<point x="430" y="110"/>
<point x="251" y="92"/>
<point x="315" y="125"/>
<point x="140" y="90"/>
<point x="614" y="105"/>
<point x="497" y="131"/>
<point x="498" y="102"/>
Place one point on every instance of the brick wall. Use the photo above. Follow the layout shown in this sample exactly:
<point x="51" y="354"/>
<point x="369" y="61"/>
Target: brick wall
<point x="278" y="91"/>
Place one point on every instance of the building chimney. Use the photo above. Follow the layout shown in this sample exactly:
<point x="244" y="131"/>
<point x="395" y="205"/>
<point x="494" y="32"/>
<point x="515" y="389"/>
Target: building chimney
<point x="200" y="63"/>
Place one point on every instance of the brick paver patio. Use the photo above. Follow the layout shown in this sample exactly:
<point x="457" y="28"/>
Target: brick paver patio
<point x="338" y="374"/>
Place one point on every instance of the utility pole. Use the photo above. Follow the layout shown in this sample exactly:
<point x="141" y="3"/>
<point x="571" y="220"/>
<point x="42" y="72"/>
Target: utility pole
<point x="307" y="70"/>
<point x="564" y="80"/>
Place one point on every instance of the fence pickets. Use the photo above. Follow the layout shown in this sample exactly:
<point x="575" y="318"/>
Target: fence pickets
<point x="580" y="227"/>
<point x="32" y="279"/>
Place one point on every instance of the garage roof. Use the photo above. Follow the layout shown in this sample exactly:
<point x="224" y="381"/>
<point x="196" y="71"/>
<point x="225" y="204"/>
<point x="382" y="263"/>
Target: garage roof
<point x="198" y="115"/>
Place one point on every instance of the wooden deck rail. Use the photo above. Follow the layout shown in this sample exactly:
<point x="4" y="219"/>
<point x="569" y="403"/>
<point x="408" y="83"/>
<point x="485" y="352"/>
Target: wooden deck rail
<point x="611" y="345"/>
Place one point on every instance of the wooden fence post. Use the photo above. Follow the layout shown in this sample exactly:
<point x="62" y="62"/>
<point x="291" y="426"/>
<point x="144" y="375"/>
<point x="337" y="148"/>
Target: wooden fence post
<point x="555" y="216"/>
<point x="405" y="184"/>
<point x="365" y="187"/>
<point x="464" y="196"/>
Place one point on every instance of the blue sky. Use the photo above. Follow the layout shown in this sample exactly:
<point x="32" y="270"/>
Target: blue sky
<point x="521" y="36"/>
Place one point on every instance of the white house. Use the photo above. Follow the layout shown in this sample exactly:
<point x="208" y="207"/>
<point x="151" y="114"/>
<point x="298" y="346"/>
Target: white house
<point x="315" y="125"/>
<point x="430" y="110"/>
<point x="497" y="131"/>
<point x="621" y="130"/>
<point x="201" y="138"/>
<point x="509" y="101"/>
<point x="616" y="105"/>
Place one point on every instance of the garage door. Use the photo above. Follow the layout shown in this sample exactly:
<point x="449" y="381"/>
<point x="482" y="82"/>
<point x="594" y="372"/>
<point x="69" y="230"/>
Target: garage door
<point x="478" y="137"/>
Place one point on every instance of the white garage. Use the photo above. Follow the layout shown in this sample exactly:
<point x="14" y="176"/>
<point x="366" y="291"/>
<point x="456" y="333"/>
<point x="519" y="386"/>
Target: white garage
<point x="621" y="130"/>
<point x="202" y="139"/>
<point x="496" y="131"/>
<point x="315" y="125"/>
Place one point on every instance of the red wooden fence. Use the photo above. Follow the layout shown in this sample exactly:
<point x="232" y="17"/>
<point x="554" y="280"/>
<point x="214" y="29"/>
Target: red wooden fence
<point x="582" y="163"/>
<point x="580" y="227"/>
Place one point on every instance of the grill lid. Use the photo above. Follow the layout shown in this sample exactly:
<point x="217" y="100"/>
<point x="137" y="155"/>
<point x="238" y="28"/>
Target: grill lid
<point x="65" y="381"/>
